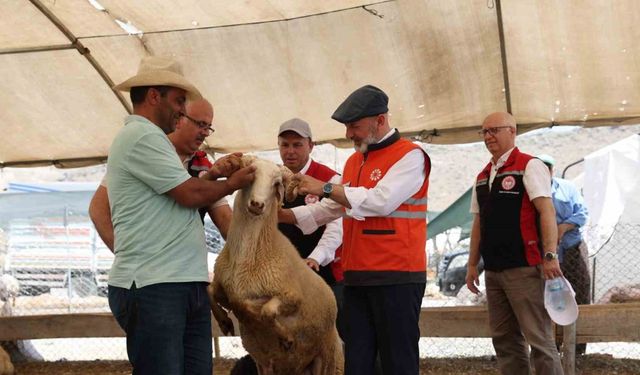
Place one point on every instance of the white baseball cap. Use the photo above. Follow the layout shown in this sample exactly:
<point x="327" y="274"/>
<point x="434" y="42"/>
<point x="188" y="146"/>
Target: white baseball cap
<point x="296" y="125"/>
<point x="569" y="313"/>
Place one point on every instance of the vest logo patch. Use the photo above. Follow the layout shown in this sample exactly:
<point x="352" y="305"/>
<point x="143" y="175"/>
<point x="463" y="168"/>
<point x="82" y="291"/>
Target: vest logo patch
<point x="311" y="199"/>
<point x="375" y="175"/>
<point x="508" y="183"/>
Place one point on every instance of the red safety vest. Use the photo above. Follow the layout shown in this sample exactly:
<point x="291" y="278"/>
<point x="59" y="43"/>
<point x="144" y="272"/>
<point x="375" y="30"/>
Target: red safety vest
<point x="391" y="249"/>
<point x="508" y="220"/>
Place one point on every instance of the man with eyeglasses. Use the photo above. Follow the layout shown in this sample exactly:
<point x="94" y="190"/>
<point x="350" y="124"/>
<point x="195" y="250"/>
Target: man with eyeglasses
<point x="514" y="230"/>
<point x="187" y="138"/>
<point x="191" y="131"/>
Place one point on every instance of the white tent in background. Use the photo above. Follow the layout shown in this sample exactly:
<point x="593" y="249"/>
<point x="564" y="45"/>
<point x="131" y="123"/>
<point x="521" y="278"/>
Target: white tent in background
<point x="612" y="194"/>
<point x="444" y="64"/>
<point x="612" y="188"/>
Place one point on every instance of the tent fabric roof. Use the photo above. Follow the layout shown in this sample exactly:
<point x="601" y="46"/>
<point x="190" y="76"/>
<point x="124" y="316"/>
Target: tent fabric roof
<point x="261" y="63"/>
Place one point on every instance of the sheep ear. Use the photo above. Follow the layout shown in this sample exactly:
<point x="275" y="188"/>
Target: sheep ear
<point x="247" y="160"/>
<point x="280" y="193"/>
<point x="290" y="184"/>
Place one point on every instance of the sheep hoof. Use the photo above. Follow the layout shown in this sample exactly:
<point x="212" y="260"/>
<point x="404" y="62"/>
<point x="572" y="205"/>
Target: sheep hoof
<point x="226" y="326"/>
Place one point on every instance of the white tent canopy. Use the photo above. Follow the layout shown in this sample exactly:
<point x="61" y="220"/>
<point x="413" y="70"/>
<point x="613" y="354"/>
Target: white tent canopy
<point x="613" y="192"/>
<point x="444" y="64"/>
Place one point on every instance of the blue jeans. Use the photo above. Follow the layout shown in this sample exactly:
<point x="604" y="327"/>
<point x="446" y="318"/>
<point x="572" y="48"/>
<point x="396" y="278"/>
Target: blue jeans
<point x="168" y="327"/>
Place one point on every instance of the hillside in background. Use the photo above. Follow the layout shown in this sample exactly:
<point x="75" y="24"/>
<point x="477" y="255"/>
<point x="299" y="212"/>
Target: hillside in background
<point x="454" y="167"/>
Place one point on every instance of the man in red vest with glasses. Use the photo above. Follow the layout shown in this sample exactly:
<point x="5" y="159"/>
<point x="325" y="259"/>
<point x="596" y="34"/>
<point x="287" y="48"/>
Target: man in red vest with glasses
<point x="514" y="230"/>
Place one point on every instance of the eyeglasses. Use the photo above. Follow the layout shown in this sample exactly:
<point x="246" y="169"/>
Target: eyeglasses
<point x="492" y="131"/>
<point x="200" y="124"/>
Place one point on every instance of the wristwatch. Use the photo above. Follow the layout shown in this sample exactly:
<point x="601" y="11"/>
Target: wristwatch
<point x="549" y="256"/>
<point x="327" y="189"/>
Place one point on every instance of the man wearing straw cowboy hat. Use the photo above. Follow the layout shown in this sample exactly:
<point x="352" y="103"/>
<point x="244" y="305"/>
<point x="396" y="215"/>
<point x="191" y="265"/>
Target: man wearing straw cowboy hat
<point x="157" y="284"/>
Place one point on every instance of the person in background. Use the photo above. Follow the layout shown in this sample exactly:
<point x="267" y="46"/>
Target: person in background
<point x="514" y="230"/>
<point x="571" y="217"/>
<point x="319" y="248"/>
<point x="383" y="197"/>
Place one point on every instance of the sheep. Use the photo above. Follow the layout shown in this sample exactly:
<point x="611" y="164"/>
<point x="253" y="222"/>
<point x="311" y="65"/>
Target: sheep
<point x="9" y="289"/>
<point x="244" y="366"/>
<point x="6" y="367"/>
<point x="286" y="311"/>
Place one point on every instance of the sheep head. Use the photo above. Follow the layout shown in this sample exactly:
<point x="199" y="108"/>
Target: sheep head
<point x="268" y="187"/>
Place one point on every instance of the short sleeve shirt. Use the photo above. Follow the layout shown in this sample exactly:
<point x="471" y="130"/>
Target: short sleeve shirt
<point x="157" y="240"/>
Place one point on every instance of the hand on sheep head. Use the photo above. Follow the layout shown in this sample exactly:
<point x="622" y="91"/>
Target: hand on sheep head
<point x="308" y="185"/>
<point x="241" y="178"/>
<point x="226" y="166"/>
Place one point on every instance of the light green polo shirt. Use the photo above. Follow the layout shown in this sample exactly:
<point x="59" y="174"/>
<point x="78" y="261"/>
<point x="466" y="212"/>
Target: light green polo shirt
<point x="156" y="239"/>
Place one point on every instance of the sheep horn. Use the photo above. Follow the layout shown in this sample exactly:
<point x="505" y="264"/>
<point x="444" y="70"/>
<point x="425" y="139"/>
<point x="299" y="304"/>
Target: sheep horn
<point x="290" y="184"/>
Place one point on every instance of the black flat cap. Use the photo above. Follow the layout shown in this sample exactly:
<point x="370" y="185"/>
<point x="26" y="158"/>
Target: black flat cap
<point x="364" y="102"/>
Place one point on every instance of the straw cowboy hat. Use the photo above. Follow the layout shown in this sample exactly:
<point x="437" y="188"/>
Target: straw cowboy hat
<point x="160" y="71"/>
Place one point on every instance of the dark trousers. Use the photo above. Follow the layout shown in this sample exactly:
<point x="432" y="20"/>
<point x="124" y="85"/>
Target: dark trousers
<point x="168" y="327"/>
<point x="338" y="292"/>
<point x="384" y="320"/>
<point x="575" y="268"/>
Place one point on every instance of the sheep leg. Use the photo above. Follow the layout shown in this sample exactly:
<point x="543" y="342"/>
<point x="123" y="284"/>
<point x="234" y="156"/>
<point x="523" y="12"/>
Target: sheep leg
<point x="282" y="306"/>
<point x="264" y="370"/>
<point x="315" y="368"/>
<point x="225" y="323"/>
<point x="254" y="306"/>
<point x="275" y="308"/>
<point x="217" y="299"/>
<point x="6" y="367"/>
<point x="270" y="311"/>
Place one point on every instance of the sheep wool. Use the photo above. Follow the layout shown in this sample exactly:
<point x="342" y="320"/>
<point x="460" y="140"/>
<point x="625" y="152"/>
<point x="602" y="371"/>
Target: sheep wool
<point x="285" y="310"/>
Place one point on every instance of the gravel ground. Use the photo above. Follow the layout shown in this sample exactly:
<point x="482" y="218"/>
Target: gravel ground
<point x="596" y="364"/>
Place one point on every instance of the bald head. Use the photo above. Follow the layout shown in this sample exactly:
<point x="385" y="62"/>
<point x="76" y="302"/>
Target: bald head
<point x="499" y="132"/>
<point x="199" y="106"/>
<point x="501" y="118"/>
<point x="189" y="136"/>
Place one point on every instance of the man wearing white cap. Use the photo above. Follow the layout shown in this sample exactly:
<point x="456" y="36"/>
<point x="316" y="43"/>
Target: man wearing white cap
<point x="320" y="248"/>
<point x="157" y="284"/>
<point x="514" y="230"/>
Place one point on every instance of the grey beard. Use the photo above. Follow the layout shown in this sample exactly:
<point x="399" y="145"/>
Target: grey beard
<point x="362" y="148"/>
<point x="364" y="145"/>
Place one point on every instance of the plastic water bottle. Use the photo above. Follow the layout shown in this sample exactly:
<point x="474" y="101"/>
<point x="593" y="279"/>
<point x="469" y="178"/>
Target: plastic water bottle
<point x="556" y="292"/>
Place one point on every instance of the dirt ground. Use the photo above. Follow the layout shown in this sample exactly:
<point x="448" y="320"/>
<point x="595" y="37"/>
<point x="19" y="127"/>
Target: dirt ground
<point x="594" y="364"/>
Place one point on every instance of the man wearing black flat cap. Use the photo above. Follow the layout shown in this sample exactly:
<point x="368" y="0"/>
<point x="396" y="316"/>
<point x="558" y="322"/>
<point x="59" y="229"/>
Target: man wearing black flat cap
<point x="383" y="197"/>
